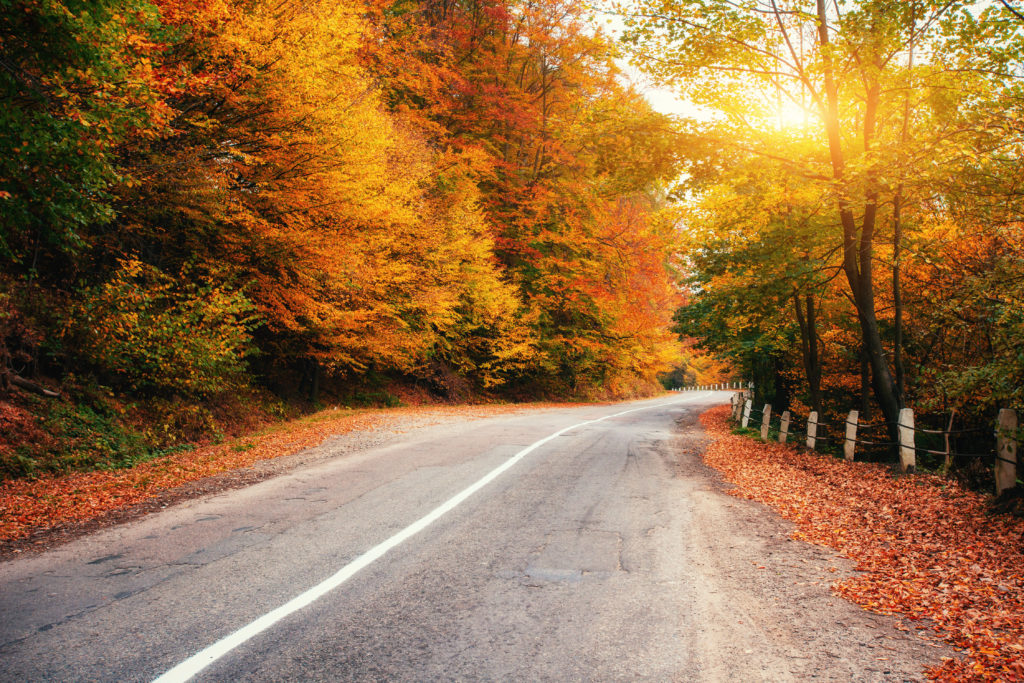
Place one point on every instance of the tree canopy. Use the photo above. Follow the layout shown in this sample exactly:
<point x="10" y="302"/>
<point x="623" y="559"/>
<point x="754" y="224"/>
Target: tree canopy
<point x="855" y="174"/>
<point x="445" y="191"/>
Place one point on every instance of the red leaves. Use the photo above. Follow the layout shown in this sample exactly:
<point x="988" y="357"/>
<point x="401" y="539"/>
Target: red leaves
<point x="927" y="548"/>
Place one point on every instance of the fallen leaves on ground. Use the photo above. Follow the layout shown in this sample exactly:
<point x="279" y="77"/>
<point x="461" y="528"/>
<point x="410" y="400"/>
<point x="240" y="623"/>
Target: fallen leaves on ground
<point x="29" y="506"/>
<point x="928" y="549"/>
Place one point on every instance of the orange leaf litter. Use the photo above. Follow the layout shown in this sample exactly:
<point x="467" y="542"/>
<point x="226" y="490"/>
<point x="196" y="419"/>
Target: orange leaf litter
<point x="27" y="506"/>
<point x="928" y="550"/>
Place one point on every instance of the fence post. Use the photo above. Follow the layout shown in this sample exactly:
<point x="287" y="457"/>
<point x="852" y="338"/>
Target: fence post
<point x="784" y="427"/>
<point x="812" y="429"/>
<point x="850" y="445"/>
<point x="1006" y="450"/>
<point x="908" y="449"/>
<point x="746" y="413"/>
<point x="947" y="461"/>
<point x="766" y="417"/>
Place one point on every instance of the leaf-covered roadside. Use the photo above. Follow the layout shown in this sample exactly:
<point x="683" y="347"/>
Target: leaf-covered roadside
<point x="928" y="549"/>
<point x="32" y="505"/>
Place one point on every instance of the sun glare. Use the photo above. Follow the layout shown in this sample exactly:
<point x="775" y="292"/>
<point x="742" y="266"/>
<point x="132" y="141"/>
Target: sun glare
<point x="791" y="115"/>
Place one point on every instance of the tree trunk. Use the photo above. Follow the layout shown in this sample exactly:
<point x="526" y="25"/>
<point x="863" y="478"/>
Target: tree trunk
<point x="897" y="232"/>
<point x="807" y="321"/>
<point x="27" y="385"/>
<point x="865" y="384"/>
<point x="881" y="378"/>
<point x="897" y="296"/>
<point x="858" y="243"/>
<point x="5" y="365"/>
<point x="314" y="381"/>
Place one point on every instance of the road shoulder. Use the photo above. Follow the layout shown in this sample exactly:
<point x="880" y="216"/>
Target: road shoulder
<point x="768" y="601"/>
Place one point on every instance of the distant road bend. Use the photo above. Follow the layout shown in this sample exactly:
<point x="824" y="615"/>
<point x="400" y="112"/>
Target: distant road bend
<point x="583" y="543"/>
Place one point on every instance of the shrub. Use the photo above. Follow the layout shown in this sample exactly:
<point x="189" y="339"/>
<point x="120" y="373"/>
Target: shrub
<point x="147" y="330"/>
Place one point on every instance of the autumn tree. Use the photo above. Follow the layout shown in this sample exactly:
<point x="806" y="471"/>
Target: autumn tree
<point x="571" y="166"/>
<point x="75" y="83"/>
<point x="458" y="192"/>
<point x="870" y="80"/>
<point x="759" y="264"/>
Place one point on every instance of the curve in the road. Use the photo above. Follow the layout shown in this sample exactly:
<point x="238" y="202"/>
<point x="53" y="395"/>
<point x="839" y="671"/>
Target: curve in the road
<point x="204" y="658"/>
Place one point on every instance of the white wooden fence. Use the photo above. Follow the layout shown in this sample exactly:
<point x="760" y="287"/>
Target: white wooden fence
<point x="721" y="386"/>
<point x="1007" y="461"/>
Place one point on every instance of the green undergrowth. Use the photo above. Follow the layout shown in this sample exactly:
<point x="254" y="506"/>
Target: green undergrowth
<point x="91" y="428"/>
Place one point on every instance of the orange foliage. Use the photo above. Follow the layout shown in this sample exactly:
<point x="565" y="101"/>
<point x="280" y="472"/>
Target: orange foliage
<point x="402" y="186"/>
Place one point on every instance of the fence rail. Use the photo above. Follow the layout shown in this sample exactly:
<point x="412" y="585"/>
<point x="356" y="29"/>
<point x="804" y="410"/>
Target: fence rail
<point x="1006" y="462"/>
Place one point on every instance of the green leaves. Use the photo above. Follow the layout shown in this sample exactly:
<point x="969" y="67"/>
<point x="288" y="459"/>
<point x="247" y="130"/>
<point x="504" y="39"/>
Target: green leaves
<point x="152" y="333"/>
<point x="72" y="89"/>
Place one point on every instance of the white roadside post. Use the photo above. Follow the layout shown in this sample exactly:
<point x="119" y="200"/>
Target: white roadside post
<point x="766" y="417"/>
<point x="850" y="445"/>
<point x="746" y="413"/>
<point x="812" y="429"/>
<point x="784" y="427"/>
<point x="1006" y="451"/>
<point x="908" y="449"/>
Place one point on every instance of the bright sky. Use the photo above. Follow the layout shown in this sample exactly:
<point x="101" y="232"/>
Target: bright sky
<point x="668" y="102"/>
<point x="661" y="99"/>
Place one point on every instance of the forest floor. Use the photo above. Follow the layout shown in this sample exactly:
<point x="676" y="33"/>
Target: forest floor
<point x="38" y="513"/>
<point x="927" y="550"/>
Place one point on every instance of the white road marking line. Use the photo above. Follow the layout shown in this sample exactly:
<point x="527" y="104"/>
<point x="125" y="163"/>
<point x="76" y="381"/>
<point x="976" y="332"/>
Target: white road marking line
<point x="204" y="658"/>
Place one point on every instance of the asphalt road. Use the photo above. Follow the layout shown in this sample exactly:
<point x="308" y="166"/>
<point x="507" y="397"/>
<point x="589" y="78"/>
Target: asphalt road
<point x="608" y="552"/>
